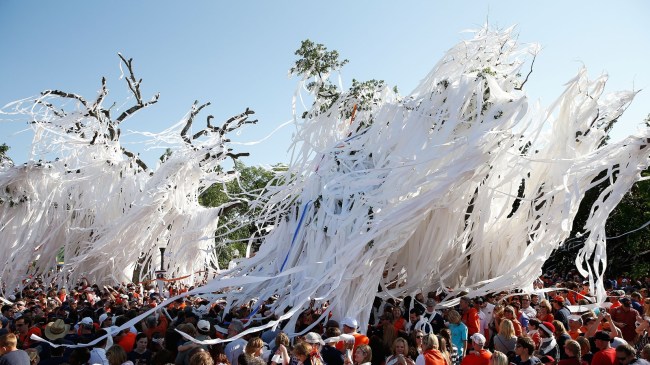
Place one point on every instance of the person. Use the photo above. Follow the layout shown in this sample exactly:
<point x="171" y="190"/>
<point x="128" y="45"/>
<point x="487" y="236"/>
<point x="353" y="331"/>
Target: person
<point x="573" y="354"/>
<point x="10" y="353"/>
<point x="362" y="355"/>
<point x="561" y="311"/>
<point x="201" y="358"/>
<point x="585" y="349"/>
<point x="186" y="350"/>
<point x="117" y="356"/>
<point x="544" y="312"/>
<point x="575" y="326"/>
<point x="469" y="316"/>
<point x="432" y="316"/>
<point x="430" y="354"/>
<point x="125" y="337"/>
<point x="548" y="344"/>
<point x="506" y="339"/>
<point x="626" y="355"/>
<point x="624" y="318"/>
<point x="316" y="342"/>
<point x="329" y="353"/>
<point x="526" y="308"/>
<point x="561" y="337"/>
<point x="350" y="326"/>
<point x="400" y="350"/>
<point x="235" y="347"/>
<point x="25" y="329"/>
<point x="533" y="331"/>
<point x="606" y="354"/>
<point x="98" y="353"/>
<point x="452" y="350"/>
<point x="524" y="352"/>
<point x="478" y="355"/>
<point x="509" y="313"/>
<point x="141" y="355"/>
<point x="645" y="352"/>
<point x="458" y="332"/>
<point x="499" y="358"/>
<point x="416" y="339"/>
<point x="253" y="352"/>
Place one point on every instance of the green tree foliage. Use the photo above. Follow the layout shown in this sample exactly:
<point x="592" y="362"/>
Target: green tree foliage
<point x="317" y="63"/>
<point x="3" y="153"/>
<point x="238" y="224"/>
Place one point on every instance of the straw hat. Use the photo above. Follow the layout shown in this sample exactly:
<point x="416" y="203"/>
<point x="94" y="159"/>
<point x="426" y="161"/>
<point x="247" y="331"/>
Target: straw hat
<point x="57" y="329"/>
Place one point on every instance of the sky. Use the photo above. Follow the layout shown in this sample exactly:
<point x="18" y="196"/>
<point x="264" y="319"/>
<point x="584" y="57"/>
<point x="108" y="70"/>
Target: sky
<point x="236" y="54"/>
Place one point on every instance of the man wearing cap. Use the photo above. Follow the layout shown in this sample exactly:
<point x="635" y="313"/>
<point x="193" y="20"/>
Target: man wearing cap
<point x="350" y="326"/>
<point x="561" y="311"/>
<point x="316" y="343"/>
<point x="432" y="316"/>
<point x="548" y="345"/>
<point x="479" y="355"/>
<point x="606" y="354"/>
<point x="235" y="347"/>
<point x="203" y="326"/>
<point x="624" y="318"/>
<point x="575" y="326"/>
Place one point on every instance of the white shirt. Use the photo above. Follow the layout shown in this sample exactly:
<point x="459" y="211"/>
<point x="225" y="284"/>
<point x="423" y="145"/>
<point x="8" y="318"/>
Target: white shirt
<point x="98" y="356"/>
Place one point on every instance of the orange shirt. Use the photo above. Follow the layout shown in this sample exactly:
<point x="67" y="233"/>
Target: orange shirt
<point x="477" y="358"/>
<point x="127" y="341"/>
<point x="433" y="357"/>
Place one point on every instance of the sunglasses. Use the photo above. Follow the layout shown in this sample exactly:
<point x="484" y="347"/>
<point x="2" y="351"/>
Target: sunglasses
<point x="419" y="336"/>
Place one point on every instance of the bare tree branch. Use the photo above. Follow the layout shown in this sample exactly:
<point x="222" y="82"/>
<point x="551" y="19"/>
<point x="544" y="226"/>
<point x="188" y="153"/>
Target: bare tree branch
<point x="64" y="94"/>
<point x="195" y="110"/>
<point x="137" y="159"/>
<point x="58" y="113"/>
<point x="529" y="72"/>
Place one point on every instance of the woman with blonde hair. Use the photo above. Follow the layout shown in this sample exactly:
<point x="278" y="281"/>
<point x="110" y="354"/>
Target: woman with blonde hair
<point x="430" y="353"/>
<point x="499" y="358"/>
<point x="506" y="339"/>
<point x="400" y="353"/>
<point x="544" y="311"/>
<point x="252" y="352"/>
<point x="458" y="332"/>
<point x="362" y="355"/>
<point x="301" y="353"/>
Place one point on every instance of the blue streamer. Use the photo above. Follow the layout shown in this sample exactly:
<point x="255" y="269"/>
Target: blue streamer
<point x="295" y="234"/>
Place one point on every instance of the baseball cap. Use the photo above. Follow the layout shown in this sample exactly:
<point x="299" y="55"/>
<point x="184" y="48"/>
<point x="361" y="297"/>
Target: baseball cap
<point x="350" y="322"/>
<point x="431" y="302"/>
<point x="203" y="325"/>
<point x="478" y="338"/>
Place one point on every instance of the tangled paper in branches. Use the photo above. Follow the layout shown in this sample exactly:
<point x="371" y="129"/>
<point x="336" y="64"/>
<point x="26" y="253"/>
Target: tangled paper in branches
<point x="98" y="205"/>
<point x="463" y="185"/>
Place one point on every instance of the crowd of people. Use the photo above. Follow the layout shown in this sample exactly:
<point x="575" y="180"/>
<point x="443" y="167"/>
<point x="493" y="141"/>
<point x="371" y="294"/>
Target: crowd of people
<point x="553" y="325"/>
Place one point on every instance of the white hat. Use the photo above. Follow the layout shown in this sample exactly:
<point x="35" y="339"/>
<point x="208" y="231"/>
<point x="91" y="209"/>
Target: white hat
<point x="345" y="337"/>
<point x="12" y="298"/>
<point x="87" y="321"/>
<point x="313" y="337"/>
<point x="350" y="322"/>
<point x="203" y="325"/>
<point x="102" y="318"/>
<point x="478" y="338"/>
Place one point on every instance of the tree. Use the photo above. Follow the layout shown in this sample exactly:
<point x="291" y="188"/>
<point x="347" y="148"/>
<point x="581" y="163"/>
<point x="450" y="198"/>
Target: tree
<point x="3" y="154"/>
<point x="239" y="226"/>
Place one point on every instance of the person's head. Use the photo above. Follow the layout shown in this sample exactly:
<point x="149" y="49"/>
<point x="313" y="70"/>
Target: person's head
<point x="509" y="312"/>
<point x="544" y="308"/>
<point x="602" y="340"/>
<point x="141" y="341"/>
<point x="625" y="354"/>
<point x="22" y="324"/>
<point x="397" y="312"/>
<point x="79" y="356"/>
<point x="499" y="358"/>
<point x="429" y="342"/>
<point x="8" y="342"/>
<point x="349" y="325"/>
<point x="524" y="346"/>
<point x="235" y="327"/>
<point x="465" y="303"/>
<point x="201" y="358"/>
<point x="572" y="349"/>
<point x="525" y="301"/>
<point x="400" y="346"/>
<point x="283" y="339"/>
<point x="188" y="328"/>
<point x="559" y="328"/>
<point x="414" y="315"/>
<point x="362" y="354"/>
<point x="418" y="337"/>
<point x="254" y="346"/>
<point x="478" y="341"/>
<point x="558" y="302"/>
<point x="315" y="340"/>
<point x="585" y="346"/>
<point x="533" y="324"/>
<point x="575" y="322"/>
<point x="507" y="329"/>
<point x="546" y="330"/>
<point x="116" y="355"/>
<point x="301" y="351"/>
<point x="453" y="316"/>
<point x="446" y="334"/>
